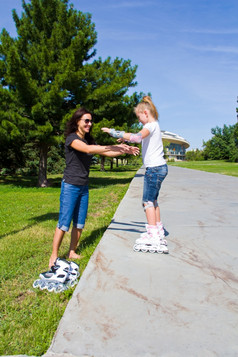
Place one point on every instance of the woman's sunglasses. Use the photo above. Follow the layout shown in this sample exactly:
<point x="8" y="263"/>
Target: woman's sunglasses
<point x="87" y="121"/>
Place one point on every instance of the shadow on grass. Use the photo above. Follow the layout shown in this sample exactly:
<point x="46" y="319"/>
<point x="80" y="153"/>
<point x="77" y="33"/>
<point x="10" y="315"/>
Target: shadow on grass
<point x="88" y="241"/>
<point x="116" y="169"/>
<point x="30" y="182"/>
<point x="96" y="182"/>
<point x="35" y="221"/>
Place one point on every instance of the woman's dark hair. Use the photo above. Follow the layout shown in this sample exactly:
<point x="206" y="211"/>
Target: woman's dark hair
<point x="72" y="125"/>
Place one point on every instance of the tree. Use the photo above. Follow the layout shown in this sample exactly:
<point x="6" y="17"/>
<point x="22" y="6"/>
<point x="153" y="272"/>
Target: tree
<point x="194" y="155"/>
<point x="46" y="72"/>
<point x="120" y="115"/>
<point x="223" y="145"/>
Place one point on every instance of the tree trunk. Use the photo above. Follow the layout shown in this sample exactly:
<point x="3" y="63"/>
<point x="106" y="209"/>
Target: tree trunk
<point x="102" y="168"/>
<point x="111" y="164"/>
<point x="42" y="176"/>
<point x="117" y="160"/>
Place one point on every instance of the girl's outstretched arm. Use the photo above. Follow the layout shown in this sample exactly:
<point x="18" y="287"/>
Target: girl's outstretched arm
<point x="121" y="135"/>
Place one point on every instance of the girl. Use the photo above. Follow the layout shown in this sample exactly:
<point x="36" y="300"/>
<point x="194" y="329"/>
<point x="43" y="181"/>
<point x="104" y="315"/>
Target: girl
<point x="156" y="171"/>
<point x="79" y="149"/>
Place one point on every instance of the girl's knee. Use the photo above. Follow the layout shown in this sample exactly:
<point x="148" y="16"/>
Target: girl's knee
<point x="147" y="204"/>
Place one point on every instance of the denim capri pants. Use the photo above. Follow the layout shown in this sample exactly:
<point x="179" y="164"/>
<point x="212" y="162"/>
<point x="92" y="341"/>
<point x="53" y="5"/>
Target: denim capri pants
<point x="154" y="176"/>
<point x="73" y="206"/>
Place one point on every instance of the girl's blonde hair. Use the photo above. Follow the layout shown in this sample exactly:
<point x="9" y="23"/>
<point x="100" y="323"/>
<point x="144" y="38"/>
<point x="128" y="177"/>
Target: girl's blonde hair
<point x="147" y="103"/>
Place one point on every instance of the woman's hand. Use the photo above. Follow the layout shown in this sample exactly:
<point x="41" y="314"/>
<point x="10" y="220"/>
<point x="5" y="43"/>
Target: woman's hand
<point x="121" y="140"/>
<point x="132" y="150"/>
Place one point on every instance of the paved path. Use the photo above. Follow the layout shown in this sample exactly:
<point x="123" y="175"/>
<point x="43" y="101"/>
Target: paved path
<point x="181" y="304"/>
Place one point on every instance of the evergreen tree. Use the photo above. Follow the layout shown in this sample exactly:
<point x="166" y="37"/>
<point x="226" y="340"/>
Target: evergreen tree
<point x="46" y="73"/>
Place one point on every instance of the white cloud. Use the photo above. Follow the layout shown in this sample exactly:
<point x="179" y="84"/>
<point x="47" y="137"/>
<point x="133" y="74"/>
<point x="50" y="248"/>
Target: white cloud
<point x="233" y="31"/>
<point x="224" y="49"/>
<point x="131" y="4"/>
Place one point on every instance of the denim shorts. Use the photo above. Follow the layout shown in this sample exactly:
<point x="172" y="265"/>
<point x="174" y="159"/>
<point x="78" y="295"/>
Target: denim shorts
<point x="73" y="206"/>
<point x="154" y="176"/>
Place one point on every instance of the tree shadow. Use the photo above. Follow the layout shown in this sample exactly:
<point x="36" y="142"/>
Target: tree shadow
<point x="95" y="182"/>
<point x="93" y="237"/>
<point x="19" y="181"/>
<point x="127" y="227"/>
<point x="28" y="181"/>
<point x="34" y="221"/>
<point x="90" y="239"/>
<point x="130" y="227"/>
<point x="87" y="241"/>
<point x="31" y="181"/>
<point x="116" y="169"/>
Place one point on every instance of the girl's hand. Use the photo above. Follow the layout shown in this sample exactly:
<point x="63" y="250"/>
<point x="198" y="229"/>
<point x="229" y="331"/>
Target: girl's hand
<point x="114" y="133"/>
<point x="132" y="150"/>
<point x="106" y="130"/>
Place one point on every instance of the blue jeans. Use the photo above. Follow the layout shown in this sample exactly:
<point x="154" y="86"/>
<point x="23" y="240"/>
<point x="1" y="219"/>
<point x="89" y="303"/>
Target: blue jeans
<point x="154" y="176"/>
<point x="73" y="205"/>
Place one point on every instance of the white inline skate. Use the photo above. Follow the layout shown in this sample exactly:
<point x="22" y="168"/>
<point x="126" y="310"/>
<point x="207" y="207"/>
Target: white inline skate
<point x="155" y="231"/>
<point x="73" y="275"/>
<point x="161" y="230"/>
<point x="151" y="242"/>
<point x="55" y="278"/>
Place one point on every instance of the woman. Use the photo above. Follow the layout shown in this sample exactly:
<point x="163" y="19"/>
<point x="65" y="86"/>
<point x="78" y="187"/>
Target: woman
<point x="156" y="171"/>
<point x="79" y="149"/>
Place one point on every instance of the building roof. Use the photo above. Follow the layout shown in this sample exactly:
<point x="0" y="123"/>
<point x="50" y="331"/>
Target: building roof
<point x="174" y="138"/>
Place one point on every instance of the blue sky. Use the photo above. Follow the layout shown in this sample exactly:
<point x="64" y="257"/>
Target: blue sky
<point x="186" y="52"/>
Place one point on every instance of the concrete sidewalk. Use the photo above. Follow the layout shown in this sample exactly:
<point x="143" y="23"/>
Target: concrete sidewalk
<point x="142" y="304"/>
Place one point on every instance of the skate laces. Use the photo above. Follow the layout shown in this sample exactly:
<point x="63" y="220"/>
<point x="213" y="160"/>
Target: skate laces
<point x="53" y="269"/>
<point x="160" y="227"/>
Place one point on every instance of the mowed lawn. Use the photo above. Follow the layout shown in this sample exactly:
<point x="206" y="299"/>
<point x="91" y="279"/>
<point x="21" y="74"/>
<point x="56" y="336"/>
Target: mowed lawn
<point x="28" y="217"/>
<point x="220" y="167"/>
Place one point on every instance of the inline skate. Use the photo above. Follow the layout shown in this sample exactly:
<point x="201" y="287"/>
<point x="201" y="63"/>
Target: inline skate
<point x="73" y="275"/>
<point x="60" y="277"/>
<point x="154" y="231"/>
<point x="161" y="229"/>
<point x="151" y="242"/>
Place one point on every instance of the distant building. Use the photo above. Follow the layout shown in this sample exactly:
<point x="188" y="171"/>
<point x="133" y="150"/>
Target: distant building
<point x="177" y="145"/>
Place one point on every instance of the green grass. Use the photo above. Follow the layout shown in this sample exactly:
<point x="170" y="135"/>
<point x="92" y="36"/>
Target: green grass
<point x="220" y="167"/>
<point x="28" y="216"/>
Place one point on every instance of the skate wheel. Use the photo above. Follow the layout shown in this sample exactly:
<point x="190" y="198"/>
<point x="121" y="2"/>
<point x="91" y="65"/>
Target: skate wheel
<point x="51" y="287"/>
<point x="43" y="285"/>
<point x="136" y="248"/>
<point x="36" y="283"/>
<point x="164" y="250"/>
<point x="72" y="283"/>
<point x="144" y="250"/>
<point x="60" y="288"/>
<point x="152" y="250"/>
<point x="57" y="289"/>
